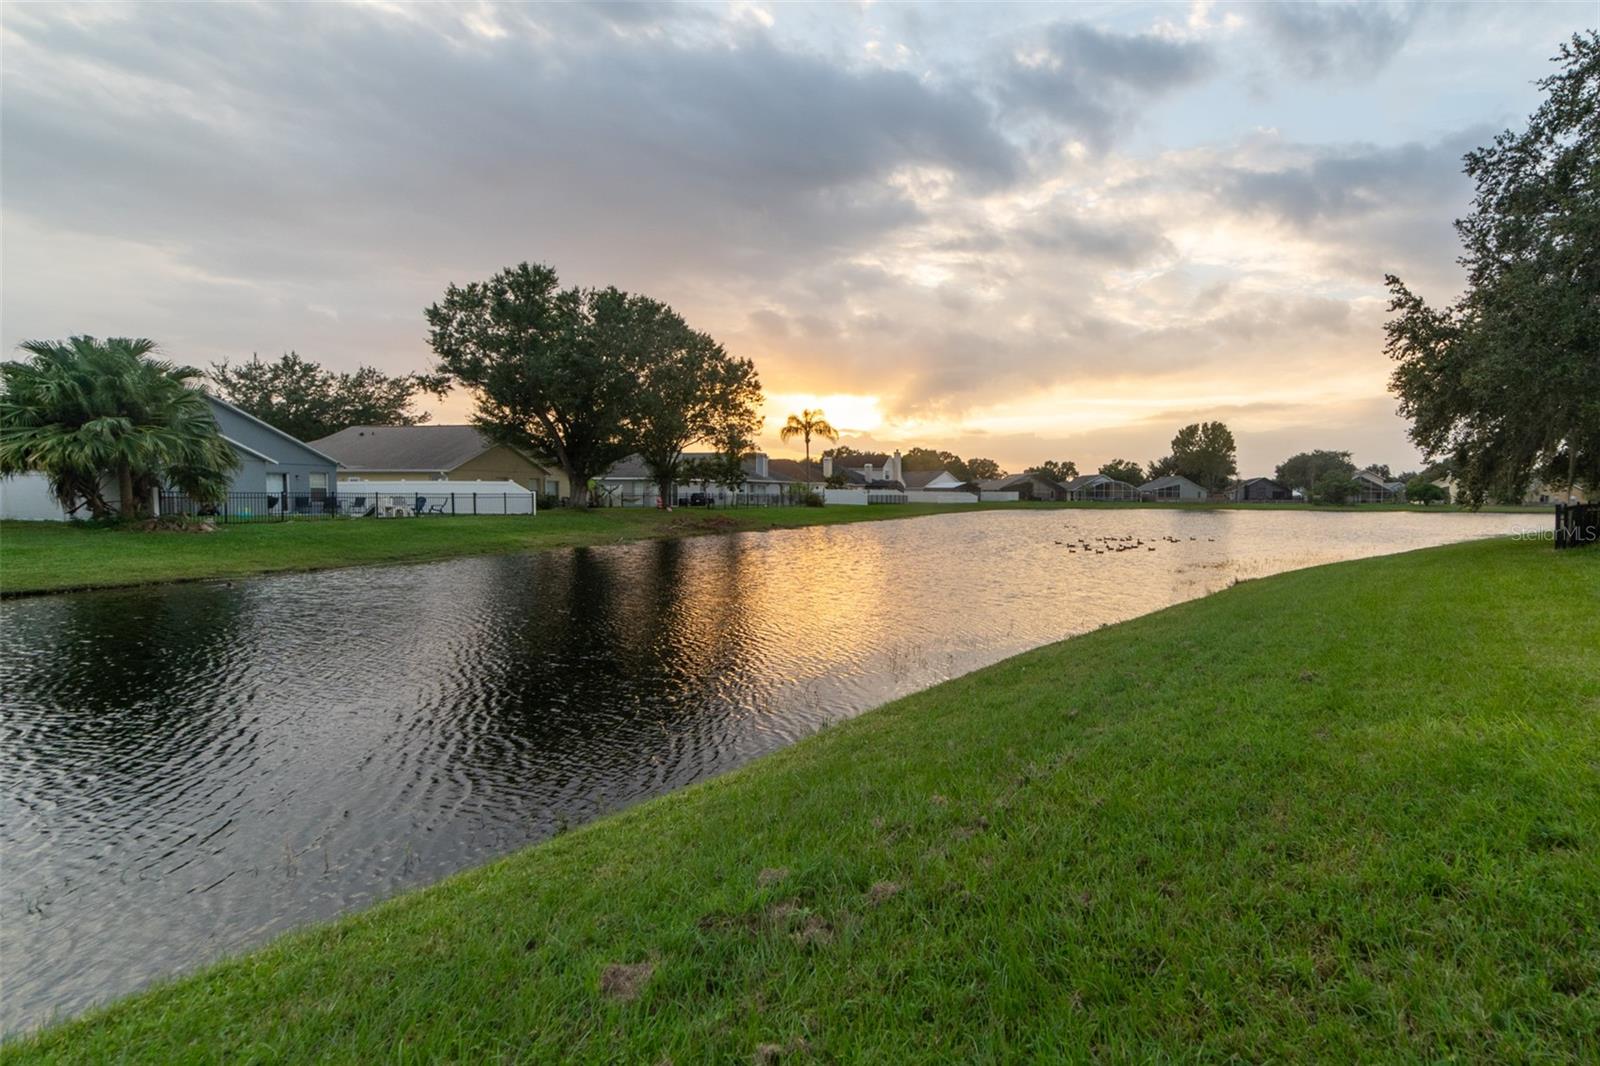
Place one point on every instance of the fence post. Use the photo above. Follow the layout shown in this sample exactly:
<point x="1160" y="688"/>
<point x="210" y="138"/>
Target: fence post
<point x="474" y="503"/>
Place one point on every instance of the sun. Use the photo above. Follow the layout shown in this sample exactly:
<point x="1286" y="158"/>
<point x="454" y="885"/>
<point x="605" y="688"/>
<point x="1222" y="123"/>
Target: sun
<point x="849" y="413"/>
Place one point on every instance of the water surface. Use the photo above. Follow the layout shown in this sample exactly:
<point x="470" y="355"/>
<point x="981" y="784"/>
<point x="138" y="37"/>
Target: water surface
<point x="188" y="770"/>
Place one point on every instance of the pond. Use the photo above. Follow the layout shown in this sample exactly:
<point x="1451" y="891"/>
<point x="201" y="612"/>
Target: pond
<point x="191" y="769"/>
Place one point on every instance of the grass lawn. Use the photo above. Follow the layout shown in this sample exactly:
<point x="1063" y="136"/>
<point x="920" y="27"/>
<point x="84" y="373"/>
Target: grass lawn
<point x="1344" y="814"/>
<point x="57" y="557"/>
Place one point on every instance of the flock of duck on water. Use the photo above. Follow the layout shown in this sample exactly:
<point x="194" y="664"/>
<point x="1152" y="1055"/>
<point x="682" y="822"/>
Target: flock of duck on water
<point x="1101" y="545"/>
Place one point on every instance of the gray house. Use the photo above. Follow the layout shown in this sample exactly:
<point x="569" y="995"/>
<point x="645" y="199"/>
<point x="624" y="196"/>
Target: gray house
<point x="1259" y="490"/>
<point x="1172" y="487"/>
<point x="276" y="473"/>
<point x="1026" y="486"/>
<point x="1099" y="487"/>
<point x="271" y="461"/>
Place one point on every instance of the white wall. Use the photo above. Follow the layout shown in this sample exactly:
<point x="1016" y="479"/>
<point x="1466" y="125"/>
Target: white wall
<point x="848" y="497"/>
<point x="26" y="498"/>
<point x="941" y="497"/>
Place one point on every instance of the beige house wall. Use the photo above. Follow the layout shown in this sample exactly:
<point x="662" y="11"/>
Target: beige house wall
<point x="499" y="463"/>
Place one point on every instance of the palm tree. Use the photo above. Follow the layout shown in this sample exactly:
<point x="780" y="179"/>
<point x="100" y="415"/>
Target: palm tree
<point x="807" y="423"/>
<point x="85" y="412"/>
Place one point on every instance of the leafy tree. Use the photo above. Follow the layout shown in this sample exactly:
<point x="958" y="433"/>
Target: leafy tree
<point x="308" y="402"/>
<point x="734" y="441"/>
<point x="690" y="390"/>
<point x="1420" y="490"/>
<point x="1334" y="486"/>
<point x="935" y="459"/>
<point x="808" y="424"/>
<point x="1205" y="453"/>
<point x="1302" y="471"/>
<point x="555" y="372"/>
<point x="983" y="470"/>
<point x="1064" y="470"/>
<point x="84" y="412"/>
<point x="1506" y="380"/>
<point x="1161" y="468"/>
<point x="1124" y="470"/>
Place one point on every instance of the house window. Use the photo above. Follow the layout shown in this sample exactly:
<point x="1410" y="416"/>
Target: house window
<point x="552" y="487"/>
<point x="319" y="487"/>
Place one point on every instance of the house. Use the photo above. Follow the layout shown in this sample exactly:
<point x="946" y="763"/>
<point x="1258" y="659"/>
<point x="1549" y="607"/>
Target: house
<point x="271" y="463"/>
<point x="630" y="484"/>
<point x="1259" y="490"/>
<point x="438" y="453"/>
<point x="1373" y="488"/>
<point x="796" y="470"/>
<point x="1026" y="486"/>
<point x="888" y="476"/>
<point x="935" y="481"/>
<point x="1172" y="487"/>
<point x="1543" y="493"/>
<point x="1099" y="487"/>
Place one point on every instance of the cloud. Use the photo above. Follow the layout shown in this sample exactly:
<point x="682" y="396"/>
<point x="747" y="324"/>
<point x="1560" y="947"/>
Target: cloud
<point x="1337" y="40"/>
<point x="188" y="128"/>
<point x="1093" y="81"/>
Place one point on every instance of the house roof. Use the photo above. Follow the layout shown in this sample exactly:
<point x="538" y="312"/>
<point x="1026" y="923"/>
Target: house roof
<point x="270" y="428"/>
<point x="795" y="469"/>
<point x="406" y="447"/>
<point x="1377" y="479"/>
<point x="1085" y="480"/>
<point x="919" y="479"/>
<point x="1165" y="482"/>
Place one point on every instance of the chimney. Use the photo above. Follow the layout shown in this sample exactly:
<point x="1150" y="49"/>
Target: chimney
<point x="761" y="464"/>
<point x="866" y="468"/>
<point x="827" y="466"/>
<point x="895" y="473"/>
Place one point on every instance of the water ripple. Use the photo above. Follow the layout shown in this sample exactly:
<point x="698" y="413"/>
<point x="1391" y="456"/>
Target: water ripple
<point x="189" y="770"/>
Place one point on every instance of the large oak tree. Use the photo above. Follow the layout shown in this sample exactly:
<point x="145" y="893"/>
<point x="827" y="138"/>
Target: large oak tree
<point x="1506" y="380"/>
<point x="555" y="372"/>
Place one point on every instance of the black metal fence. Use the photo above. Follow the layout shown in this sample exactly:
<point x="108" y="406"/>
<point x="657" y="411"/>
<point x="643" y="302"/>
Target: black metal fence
<point x="244" y="507"/>
<point x="1577" y="524"/>
<point x="685" y="498"/>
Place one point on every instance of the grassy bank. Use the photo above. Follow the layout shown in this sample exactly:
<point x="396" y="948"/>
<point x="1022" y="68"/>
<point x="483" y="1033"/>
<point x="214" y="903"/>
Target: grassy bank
<point x="58" y="557"/>
<point x="1350" y="813"/>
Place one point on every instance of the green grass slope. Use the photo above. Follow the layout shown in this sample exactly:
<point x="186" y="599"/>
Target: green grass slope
<point x="1350" y="813"/>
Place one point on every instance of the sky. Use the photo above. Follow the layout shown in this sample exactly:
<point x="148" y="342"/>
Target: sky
<point x="1023" y="232"/>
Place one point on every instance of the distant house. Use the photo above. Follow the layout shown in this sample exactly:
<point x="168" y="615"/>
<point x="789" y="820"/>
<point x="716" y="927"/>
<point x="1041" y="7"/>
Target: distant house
<point x="295" y="475"/>
<point x="795" y="470"/>
<point x="935" y="481"/>
<point x="1099" y="487"/>
<point x="1172" y="487"/>
<point x="1026" y="486"/>
<point x="437" y="453"/>
<point x="1259" y="490"/>
<point x="1372" y="488"/>
<point x="630" y="484"/>
<point x="888" y="476"/>
<point x="1541" y="492"/>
